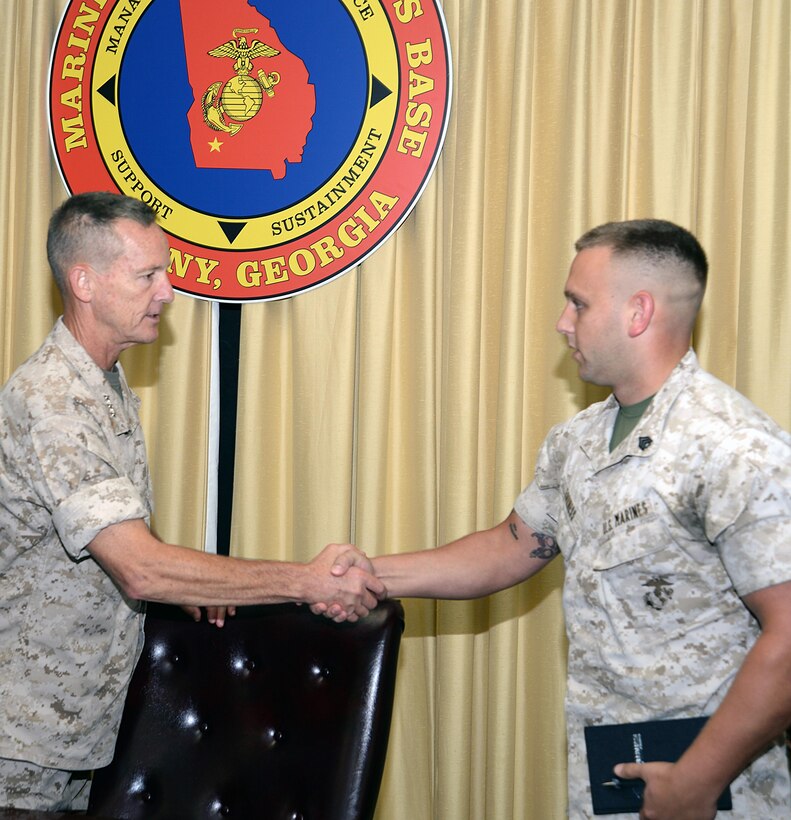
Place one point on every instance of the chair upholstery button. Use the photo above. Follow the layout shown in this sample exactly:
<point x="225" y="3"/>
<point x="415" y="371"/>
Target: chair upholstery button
<point x="273" y="736"/>
<point x="243" y="665"/>
<point x="320" y="673"/>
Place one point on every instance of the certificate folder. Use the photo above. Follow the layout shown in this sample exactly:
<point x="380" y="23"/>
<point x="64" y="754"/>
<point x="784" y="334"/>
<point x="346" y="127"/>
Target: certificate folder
<point x="635" y="742"/>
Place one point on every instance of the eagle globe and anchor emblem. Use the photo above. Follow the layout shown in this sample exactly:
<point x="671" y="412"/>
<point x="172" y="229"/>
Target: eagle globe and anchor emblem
<point x="226" y="108"/>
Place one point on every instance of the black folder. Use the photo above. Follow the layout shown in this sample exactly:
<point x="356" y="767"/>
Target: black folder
<point x="634" y="742"/>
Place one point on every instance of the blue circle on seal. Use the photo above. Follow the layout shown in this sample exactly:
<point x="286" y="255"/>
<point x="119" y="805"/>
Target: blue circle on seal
<point x="320" y="32"/>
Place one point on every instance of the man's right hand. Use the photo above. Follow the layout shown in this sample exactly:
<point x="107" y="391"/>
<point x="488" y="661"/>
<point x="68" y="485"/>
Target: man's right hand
<point x="345" y="587"/>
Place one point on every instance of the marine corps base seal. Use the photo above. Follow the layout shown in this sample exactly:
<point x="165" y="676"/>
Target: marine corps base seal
<point x="279" y="141"/>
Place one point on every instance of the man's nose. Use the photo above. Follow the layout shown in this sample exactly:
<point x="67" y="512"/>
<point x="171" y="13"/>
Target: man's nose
<point x="565" y="324"/>
<point x="165" y="292"/>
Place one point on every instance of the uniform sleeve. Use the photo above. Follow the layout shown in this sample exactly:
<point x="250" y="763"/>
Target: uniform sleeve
<point x="81" y="480"/>
<point x="538" y="504"/>
<point x="747" y="510"/>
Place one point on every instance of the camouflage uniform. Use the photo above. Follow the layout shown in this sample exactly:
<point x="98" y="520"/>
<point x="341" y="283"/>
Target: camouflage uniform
<point x="660" y="538"/>
<point x="72" y="462"/>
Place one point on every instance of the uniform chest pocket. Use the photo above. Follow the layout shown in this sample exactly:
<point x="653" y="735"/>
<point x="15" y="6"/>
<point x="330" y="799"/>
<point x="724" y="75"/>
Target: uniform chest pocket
<point x="646" y="580"/>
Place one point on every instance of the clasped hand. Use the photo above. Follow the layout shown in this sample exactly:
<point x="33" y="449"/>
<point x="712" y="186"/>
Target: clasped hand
<point x="348" y="565"/>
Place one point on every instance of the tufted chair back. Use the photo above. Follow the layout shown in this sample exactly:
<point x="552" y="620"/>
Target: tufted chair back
<point x="279" y="715"/>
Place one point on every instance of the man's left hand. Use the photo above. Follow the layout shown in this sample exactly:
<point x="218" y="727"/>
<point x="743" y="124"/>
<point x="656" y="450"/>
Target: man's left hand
<point x="214" y="614"/>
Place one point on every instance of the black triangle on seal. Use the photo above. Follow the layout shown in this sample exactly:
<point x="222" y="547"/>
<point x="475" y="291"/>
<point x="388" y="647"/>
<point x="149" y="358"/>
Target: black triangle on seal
<point x="232" y="229"/>
<point x="108" y="90"/>
<point x="379" y="91"/>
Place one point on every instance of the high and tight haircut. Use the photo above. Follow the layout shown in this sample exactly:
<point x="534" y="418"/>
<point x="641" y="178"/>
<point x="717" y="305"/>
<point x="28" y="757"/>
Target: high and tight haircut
<point x="81" y="229"/>
<point x="655" y="240"/>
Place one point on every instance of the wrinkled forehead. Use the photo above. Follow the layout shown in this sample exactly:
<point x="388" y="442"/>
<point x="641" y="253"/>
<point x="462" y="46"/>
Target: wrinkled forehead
<point x="146" y="244"/>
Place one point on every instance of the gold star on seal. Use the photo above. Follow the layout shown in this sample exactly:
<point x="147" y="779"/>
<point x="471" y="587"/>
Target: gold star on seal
<point x="215" y="145"/>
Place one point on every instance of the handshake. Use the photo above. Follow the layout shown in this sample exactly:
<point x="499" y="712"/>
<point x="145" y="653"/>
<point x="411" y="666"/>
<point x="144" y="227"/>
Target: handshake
<point x="342" y="584"/>
<point x="338" y="583"/>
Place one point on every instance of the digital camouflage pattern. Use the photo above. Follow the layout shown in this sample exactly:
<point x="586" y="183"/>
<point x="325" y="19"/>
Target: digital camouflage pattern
<point x="27" y="786"/>
<point x="659" y="539"/>
<point x="72" y="462"/>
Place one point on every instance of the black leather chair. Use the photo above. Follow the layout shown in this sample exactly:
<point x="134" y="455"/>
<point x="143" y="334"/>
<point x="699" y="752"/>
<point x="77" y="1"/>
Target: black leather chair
<point x="280" y="715"/>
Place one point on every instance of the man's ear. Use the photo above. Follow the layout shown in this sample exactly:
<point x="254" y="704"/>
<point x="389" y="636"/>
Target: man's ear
<point x="80" y="278"/>
<point x="641" y="307"/>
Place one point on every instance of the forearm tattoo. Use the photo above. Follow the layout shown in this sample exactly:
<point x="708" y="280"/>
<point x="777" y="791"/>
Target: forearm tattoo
<point x="547" y="546"/>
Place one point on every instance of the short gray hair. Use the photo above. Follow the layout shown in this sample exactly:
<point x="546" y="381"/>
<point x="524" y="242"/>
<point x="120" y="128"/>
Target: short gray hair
<point x="82" y="226"/>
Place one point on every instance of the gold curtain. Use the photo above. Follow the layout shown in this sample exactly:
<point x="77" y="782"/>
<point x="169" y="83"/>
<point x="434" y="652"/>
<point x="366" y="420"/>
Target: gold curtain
<point x="402" y="405"/>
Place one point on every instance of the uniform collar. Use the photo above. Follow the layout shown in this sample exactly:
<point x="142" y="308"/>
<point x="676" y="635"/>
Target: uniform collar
<point x="644" y="440"/>
<point x="118" y="408"/>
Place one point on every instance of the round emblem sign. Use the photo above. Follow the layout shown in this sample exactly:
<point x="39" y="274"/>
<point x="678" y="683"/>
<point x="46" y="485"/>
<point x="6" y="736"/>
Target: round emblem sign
<point x="279" y="141"/>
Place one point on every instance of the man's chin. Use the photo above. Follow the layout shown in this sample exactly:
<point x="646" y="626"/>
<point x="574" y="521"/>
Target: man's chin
<point x="587" y="375"/>
<point x="150" y="330"/>
<point x="150" y="335"/>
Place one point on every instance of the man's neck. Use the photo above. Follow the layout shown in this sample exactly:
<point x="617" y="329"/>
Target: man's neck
<point x="103" y="354"/>
<point x="646" y="383"/>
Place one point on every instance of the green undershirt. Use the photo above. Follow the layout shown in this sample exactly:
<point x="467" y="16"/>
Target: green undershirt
<point x="626" y="421"/>
<point x="114" y="379"/>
